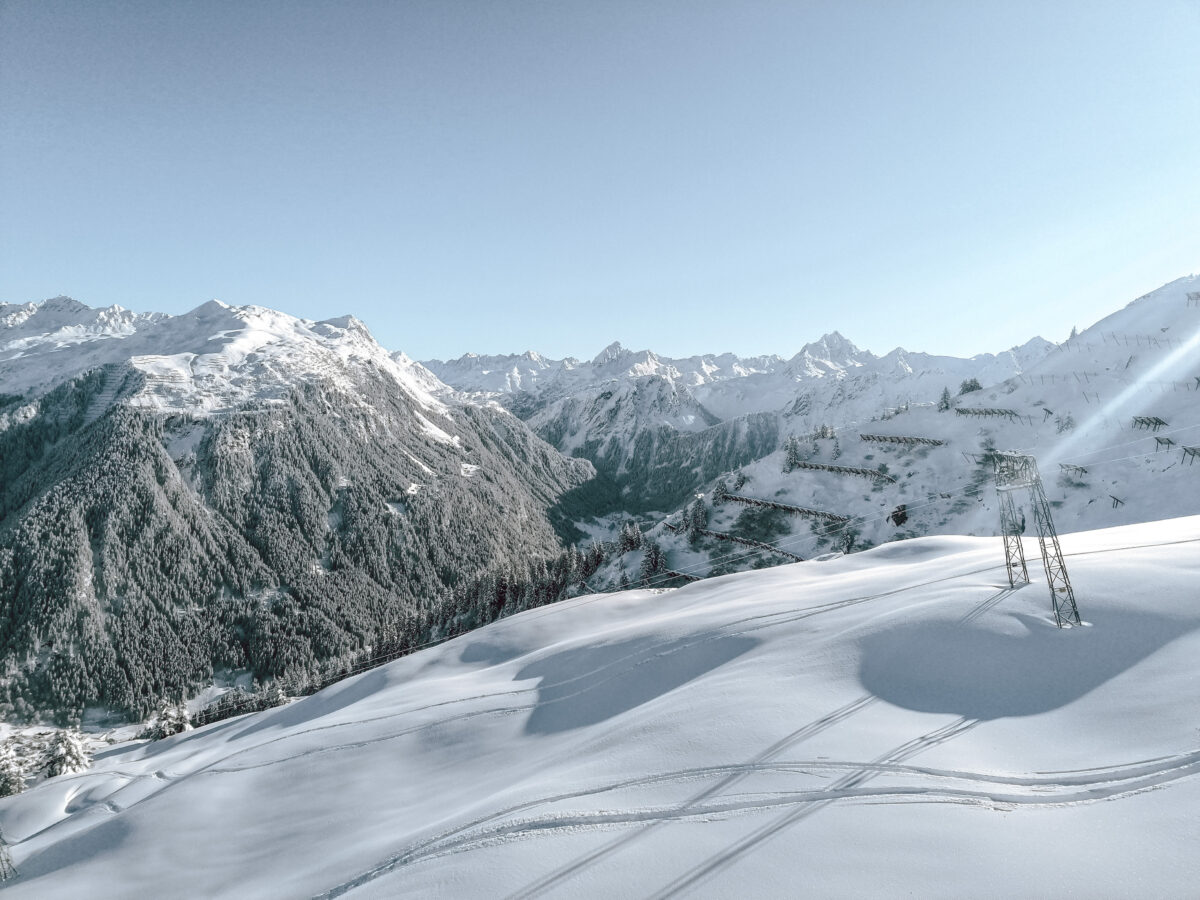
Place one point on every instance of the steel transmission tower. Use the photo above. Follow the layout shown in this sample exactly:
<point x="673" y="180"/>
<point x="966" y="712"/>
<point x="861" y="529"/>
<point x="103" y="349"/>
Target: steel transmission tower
<point x="1017" y="472"/>
<point x="7" y="869"/>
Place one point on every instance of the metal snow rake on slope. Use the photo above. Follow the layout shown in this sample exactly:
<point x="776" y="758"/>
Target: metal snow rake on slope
<point x="1016" y="472"/>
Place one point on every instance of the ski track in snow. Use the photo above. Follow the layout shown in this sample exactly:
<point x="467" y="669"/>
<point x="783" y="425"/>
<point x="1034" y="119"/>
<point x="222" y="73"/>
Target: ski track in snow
<point x="935" y="785"/>
<point x="1055" y="789"/>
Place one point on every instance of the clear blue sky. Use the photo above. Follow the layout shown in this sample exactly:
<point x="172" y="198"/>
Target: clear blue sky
<point x="688" y="176"/>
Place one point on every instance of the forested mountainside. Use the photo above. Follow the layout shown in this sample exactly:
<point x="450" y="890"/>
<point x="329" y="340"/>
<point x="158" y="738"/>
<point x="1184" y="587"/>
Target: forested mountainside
<point x="146" y="546"/>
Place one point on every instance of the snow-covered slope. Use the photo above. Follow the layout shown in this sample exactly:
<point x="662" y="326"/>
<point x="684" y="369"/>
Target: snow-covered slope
<point x="896" y="722"/>
<point x="1074" y="411"/>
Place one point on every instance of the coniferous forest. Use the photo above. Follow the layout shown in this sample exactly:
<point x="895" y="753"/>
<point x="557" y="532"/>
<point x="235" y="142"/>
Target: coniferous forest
<point x="144" y="553"/>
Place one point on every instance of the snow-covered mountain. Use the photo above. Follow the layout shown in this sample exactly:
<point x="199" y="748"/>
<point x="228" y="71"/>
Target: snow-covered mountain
<point x="1108" y="415"/>
<point x="641" y="418"/>
<point x="893" y="723"/>
<point x="214" y="358"/>
<point x="232" y="490"/>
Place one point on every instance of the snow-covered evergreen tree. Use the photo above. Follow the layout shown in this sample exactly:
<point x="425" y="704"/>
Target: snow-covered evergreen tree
<point x="12" y="772"/>
<point x="68" y="754"/>
<point x="630" y="537"/>
<point x="944" y="401"/>
<point x="720" y="492"/>
<point x="173" y="718"/>
<point x="654" y="561"/>
<point x="695" y="518"/>
<point x="791" y="453"/>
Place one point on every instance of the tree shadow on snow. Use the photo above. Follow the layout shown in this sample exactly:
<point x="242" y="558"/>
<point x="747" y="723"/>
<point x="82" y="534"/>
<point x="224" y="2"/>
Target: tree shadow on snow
<point x="489" y="652"/>
<point x="586" y="685"/>
<point x="325" y="702"/>
<point x="981" y="673"/>
<point x="99" y="841"/>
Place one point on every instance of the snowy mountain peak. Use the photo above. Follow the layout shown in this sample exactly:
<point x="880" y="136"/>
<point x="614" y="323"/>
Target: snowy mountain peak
<point x="212" y="306"/>
<point x="348" y="324"/>
<point x="612" y="352"/>
<point x="832" y="354"/>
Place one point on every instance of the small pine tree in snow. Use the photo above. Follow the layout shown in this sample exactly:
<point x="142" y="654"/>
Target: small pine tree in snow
<point x="173" y="718"/>
<point x="740" y="481"/>
<point x="654" y="561"/>
<point x="630" y="537"/>
<point x="274" y="695"/>
<point x="624" y="583"/>
<point x="695" y="519"/>
<point x="720" y="492"/>
<point x="944" y="402"/>
<point x="791" y="453"/>
<point x="67" y="755"/>
<point x="12" y="773"/>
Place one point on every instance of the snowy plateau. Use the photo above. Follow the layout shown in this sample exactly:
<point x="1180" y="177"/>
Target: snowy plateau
<point x="823" y="686"/>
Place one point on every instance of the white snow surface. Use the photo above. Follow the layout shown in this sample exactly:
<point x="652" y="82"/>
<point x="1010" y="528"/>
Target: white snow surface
<point x="209" y="360"/>
<point x="891" y="723"/>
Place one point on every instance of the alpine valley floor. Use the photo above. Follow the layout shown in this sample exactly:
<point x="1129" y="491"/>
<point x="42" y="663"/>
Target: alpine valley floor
<point x="895" y="722"/>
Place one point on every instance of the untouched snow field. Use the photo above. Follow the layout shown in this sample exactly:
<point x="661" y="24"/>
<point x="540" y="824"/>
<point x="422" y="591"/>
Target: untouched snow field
<point x="890" y="723"/>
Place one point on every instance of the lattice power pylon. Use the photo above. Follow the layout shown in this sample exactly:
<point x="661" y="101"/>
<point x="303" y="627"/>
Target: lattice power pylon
<point x="7" y="870"/>
<point x="1017" y="472"/>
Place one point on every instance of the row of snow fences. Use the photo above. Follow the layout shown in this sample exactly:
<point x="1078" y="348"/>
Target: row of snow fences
<point x="1086" y="378"/>
<point x="900" y="439"/>
<point x="722" y="536"/>
<point x="873" y="474"/>
<point x="1111" y="338"/>
<point x="1011" y="414"/>
<point x="787" y="507"/>
<point x="1068" y="469"/>
<point x="1152" y="422"/>
<point x="1193" y="298"/>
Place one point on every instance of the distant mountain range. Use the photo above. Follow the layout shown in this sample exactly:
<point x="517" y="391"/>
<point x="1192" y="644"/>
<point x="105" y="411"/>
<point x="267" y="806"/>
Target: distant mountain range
<point x="642" y="419"/>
